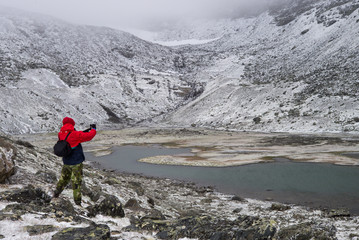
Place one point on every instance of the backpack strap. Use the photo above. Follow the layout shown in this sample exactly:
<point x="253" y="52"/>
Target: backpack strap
<point x="67" y="135"/>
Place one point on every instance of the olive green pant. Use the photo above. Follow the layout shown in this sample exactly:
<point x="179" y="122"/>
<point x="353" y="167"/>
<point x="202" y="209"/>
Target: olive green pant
<point x="73" y="173"/>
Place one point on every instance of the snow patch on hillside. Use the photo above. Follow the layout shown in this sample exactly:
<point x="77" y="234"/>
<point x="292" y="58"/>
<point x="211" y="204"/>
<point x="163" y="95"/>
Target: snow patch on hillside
<point x="155" y="37"/>
<point x="185" y="42"/>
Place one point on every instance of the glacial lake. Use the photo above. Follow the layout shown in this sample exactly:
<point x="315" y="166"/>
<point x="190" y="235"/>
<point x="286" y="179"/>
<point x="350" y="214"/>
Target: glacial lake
<point x="309" y="184"/>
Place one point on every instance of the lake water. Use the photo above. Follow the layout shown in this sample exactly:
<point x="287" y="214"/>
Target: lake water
<point x="310" y="184"/>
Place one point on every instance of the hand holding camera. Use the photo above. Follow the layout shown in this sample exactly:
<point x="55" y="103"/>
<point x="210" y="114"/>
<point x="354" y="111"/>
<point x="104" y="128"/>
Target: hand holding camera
<point x="92" y="126"/>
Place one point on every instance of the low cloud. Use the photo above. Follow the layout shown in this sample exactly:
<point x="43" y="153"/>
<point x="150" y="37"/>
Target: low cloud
<point x="137" y="12"/>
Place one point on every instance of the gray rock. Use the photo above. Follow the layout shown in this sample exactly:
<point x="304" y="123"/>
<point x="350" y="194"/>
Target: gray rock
<point x="279" y="207"/>
<point x="93" y="232"/>
<point x="109" y="206"/>
<point x="202" y="190"/>
<point x="7" y="157"/>
<point x="133" y="204"/>
<point x="206" y="201"/>
<point x="39" y="229"/>
<point x="162" y="235"/>
<point x="22" y="209"/>
<point x="306" y="231"/>
<point x="94" y="193"/>
<point x="112" y="181"/>
<point x="25" y="144"/>
<point x="28" y="194"/>
<point x="154" y="215"/>
<point x="219" y="236"/>
<point x="9" y="216"/>
<point x="237" y="198"/>
<point x="48" y="176"/>
<point x="207" y="227"/>
<point x="343" y="212"/>
<point x="64" y="205"/>
<point x="137" y="187"/>
<point x="237" y="210"/>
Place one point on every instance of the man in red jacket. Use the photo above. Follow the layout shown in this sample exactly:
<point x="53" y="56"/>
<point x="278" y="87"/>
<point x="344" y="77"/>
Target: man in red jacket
<point x="72" y="168"/>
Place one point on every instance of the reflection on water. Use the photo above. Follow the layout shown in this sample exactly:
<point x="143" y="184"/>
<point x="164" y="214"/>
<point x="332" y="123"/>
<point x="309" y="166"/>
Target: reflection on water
<point x="317" y="185"/>
<point x="352" y="154"/>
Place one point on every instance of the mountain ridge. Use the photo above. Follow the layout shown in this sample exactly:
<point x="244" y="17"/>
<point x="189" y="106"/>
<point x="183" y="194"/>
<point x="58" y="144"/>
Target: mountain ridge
<point x="108" y="69"/>
<point x="292" y="69"/>
<point x="301" y="76"/>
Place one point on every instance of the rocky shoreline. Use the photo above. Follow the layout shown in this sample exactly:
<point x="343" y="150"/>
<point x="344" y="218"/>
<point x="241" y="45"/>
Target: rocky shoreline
<point x="223" y="148"/>
<point x="129" y="206"/>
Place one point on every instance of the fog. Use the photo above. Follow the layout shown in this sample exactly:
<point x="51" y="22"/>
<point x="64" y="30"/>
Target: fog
<point x="137" y="13"/>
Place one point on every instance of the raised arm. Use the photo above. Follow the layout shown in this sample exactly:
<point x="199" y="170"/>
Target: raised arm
<point x="86" y="136"/>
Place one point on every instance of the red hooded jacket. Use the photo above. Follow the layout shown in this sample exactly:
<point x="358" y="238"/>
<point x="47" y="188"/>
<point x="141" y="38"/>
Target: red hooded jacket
<point x="75" y="137"/>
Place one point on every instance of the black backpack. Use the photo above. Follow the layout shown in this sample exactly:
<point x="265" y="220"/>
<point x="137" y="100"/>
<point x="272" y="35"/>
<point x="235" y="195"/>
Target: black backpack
<point x="62" y="148"/>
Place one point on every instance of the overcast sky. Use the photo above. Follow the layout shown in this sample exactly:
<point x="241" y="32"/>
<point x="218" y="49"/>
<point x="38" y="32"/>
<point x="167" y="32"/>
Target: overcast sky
<point x="130" y="12"/>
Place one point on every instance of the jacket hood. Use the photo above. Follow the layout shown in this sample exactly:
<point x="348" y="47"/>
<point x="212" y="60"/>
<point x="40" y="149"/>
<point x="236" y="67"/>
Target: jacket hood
<point x="67" y="128"/>
<point x="68" y="120"/>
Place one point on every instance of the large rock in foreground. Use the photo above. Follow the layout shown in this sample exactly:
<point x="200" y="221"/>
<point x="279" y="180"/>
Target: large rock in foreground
<point x="93" y="232"/>
<point x="207" y="227"/>
<point x="28" y="194"/>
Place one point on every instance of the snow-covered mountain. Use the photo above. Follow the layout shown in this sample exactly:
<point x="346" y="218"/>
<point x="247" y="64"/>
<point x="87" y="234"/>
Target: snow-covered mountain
<point x="50" y="69"/>
<point x="293" y="68"/>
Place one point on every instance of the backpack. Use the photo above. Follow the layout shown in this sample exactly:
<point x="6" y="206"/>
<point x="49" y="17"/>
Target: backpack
<point x="62" y="148"/>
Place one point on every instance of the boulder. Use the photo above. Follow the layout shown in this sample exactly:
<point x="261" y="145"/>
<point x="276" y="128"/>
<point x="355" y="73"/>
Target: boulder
<point x="10" y="216"/>
<point x="279" y="207"/>
<point x="237" y="210"/>
<point x="191" y="212"/>
<point x="7" y="157"/>
<point x="133" y="204"/>
<point x="21" y="209"/>
<point x="39" y="229"/>
<point x="93" y="232"/>
<point x="219" y="236"/>
<point x="109" y="206"/>
<point x="28" y="194"/>
<point x="342" y="212"/>
<point x="112" y="181"/>
<point x="306" y="231"/>
<point x="137" y="187"/>
<point x="154" y="215"/>
<point x="56" y="206"/>
<point x="47" y="176"/>
<point x="94" y="193"/>
<point x="63" y="205"/>
<point x="207" y="227"/>
<point x="238" y="198"/>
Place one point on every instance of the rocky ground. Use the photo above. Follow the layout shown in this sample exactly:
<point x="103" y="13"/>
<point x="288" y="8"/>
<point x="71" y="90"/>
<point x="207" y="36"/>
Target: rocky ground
<point x="127" y="206"/>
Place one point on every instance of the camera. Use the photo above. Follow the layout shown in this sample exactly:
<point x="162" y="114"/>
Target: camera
<point x="91" y="127"/>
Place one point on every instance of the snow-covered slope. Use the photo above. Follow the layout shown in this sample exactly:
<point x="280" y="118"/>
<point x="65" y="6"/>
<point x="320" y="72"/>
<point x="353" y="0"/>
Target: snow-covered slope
<point x="296" y="70"/>
<point x="50" y="69"/>
<point x="293" y="68"/>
